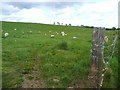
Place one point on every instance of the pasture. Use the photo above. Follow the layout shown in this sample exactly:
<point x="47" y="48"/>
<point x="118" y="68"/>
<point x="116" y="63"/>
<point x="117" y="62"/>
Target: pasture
<point x="31" y="58"/>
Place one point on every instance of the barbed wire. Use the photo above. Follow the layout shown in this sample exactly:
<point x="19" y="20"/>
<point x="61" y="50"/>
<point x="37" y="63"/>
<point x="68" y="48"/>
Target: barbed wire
<point x="96" y="75"/>
<point x="108" y="59"/>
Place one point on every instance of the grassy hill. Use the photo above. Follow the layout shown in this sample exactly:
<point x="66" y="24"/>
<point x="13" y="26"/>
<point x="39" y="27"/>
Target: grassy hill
<point x="31" y="58"/>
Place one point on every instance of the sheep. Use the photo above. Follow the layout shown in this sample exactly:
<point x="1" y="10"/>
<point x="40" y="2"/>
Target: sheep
<point x="29" y="32"/>
<point x="74" y="37"/>
<point x="52" y="36"/>
<point x="49" y="31"/>
<point x="57" y="33"/>
<point x="15" y="29"/>
<point x="45" y="34"/>
<point x="106" y="39"/>
<point x="62" y="33"/>
<point x="6" y="34"/>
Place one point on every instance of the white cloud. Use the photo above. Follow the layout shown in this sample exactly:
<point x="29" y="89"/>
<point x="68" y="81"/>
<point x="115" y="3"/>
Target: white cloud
<point x="8" y="9"/>
<point x="102" y="13"/>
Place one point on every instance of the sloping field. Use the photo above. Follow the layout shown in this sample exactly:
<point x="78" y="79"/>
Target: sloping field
<point x="31" y="58"/>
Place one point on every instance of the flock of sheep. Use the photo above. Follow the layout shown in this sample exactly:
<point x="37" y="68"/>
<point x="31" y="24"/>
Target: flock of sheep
<point x="6" y="34"/>
<point x="62" y="34"/>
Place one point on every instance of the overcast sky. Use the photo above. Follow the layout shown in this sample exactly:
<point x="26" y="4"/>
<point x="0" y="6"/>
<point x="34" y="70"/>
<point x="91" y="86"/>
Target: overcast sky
<point x="100" y="13"/>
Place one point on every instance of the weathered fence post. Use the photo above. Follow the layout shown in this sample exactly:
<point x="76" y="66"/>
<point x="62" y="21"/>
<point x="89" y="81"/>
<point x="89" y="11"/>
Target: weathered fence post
<point x="96" y="57"/>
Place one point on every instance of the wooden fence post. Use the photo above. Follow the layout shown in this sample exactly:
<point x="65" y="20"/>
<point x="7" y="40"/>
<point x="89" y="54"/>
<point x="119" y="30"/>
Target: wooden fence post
<point x="96" y="57"/>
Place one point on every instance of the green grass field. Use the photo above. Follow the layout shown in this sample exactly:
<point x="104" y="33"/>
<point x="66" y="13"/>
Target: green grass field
<point x="58" y="62"/>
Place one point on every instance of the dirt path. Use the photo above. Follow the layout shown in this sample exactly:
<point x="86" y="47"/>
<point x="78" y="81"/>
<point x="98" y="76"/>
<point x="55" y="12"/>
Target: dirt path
<point x="33" y="80"/>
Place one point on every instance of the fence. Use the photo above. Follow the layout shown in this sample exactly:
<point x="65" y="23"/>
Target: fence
<point x="97" y="71"/>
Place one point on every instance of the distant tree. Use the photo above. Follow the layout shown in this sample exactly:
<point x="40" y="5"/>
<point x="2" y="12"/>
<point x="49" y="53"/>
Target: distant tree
<point x="108" y="29"/>
<point x="92" y="27"/>
<point x="87" y="26"/>
<point x="66" y="24"/>
<point x="118" y="28"/>
<point x="69" y="24"/>
<point x="54" y="23"/>
<point x="58" y="23"/>
<point x="113" y="28"/>
<point x="82" y="25"/>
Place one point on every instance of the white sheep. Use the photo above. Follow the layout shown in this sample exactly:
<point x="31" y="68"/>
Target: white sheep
<point x="15" y="29"/>
<point x="62" y="33"/>
<point x="29" y="32"/>
<point x="74" y="37"/>
<point x="6" y="34"/>
<point x="57" y="33"/>
<point x="52" y="36"/>
<point x="106" y="39"/>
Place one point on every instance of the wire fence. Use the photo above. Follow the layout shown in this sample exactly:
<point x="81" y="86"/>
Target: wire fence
<point x="107" y="59"/>
<point x="99" y="59"/>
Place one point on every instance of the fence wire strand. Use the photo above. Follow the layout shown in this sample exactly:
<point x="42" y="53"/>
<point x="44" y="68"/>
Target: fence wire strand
<point x="109" y="58"/>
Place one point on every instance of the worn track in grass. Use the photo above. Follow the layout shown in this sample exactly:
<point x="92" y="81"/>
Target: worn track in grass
<point x="33" y="79"/>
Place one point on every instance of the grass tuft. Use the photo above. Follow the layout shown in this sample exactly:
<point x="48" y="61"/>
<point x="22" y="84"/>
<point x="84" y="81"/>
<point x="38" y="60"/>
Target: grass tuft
<point x="63" y="45"/>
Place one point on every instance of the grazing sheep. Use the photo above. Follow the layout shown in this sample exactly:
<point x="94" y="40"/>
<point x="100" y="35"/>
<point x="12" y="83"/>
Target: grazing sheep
<point x="29" y="32"/>
<point x="6" y="34"/>
<point x="57" y="33"/>
<point x="106" y="39"/>
<point x="74" y="37"/>
<point x="15" y="29"/>
<point x="52" y="36"/>
<point x="62" y="33"/>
